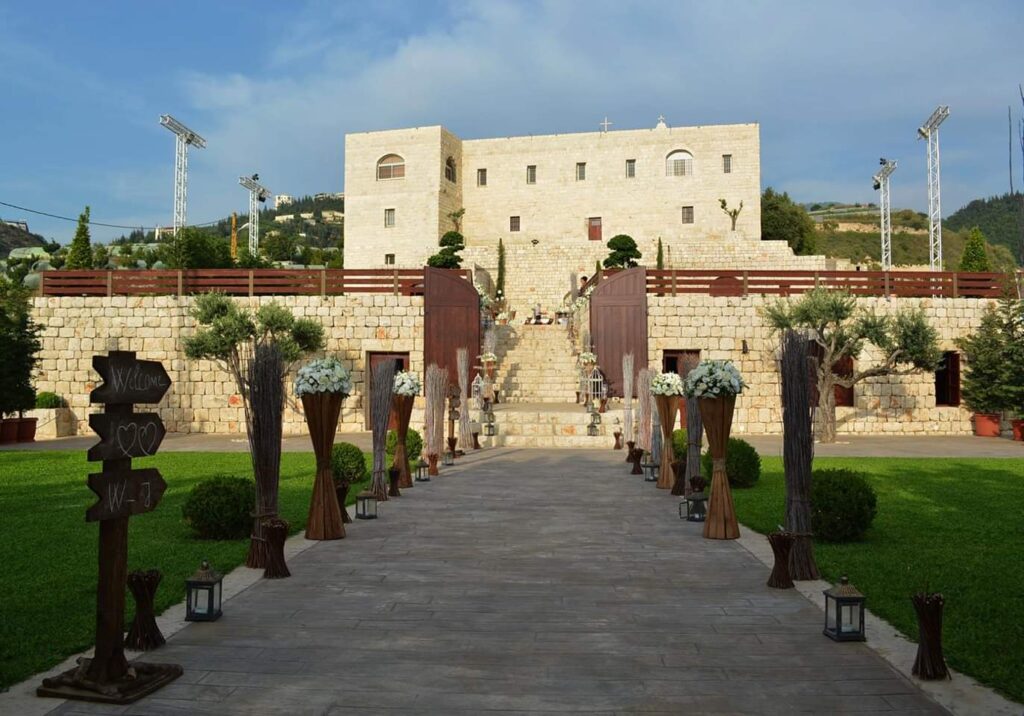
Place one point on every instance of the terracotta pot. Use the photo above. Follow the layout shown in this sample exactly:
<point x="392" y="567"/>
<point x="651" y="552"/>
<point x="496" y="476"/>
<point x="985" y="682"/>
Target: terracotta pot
<point x="1018" y="429"/>
<point x="26" y="429"/>
<point x="986" y="425"/>
<point x="8" y="431"/>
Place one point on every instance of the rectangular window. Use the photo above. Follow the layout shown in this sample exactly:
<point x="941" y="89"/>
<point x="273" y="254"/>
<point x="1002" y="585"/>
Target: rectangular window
<point x="687" y="214"/>
<point x="389" y="259"/>
<point x="513" y="223"/>
<point x="531" y="174"/>
<point x="581" y="171"/>
<point x="947" y="380"/>
<point x="630" y="168"/>
<point x="594" y="228"/>
<point x="481" y="177"/>
<point x="679" y="167"/>
<point x="389" y="218"/>
<point x="727" y="164"/>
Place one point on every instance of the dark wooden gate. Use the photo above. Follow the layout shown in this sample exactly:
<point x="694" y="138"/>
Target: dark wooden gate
<point x="451" y="320"/>
<point x="618" y="324"/>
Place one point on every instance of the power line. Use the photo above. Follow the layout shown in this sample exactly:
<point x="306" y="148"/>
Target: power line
<point x="95" y="223"/>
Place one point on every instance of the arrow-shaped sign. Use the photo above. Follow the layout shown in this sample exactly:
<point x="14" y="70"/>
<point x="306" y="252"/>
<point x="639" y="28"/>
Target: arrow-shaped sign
<point x="125" y="436"/>
<point x="127" y="380"/>
<point x="125" y="493"/>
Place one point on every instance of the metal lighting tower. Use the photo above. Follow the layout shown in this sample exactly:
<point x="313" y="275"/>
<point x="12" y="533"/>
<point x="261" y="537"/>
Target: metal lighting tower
<point x="257" y="195"/>
<point x="183" y="138"/>
<point x="885" y="209"/>
<point x="930" y="131"/>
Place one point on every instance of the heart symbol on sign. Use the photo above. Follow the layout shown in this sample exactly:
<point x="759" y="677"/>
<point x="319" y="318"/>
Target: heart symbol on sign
<point x="148" y="438"/>
<point x="127" y="436"/>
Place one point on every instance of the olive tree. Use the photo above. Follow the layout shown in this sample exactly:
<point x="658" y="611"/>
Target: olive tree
<point x="838" y="329"/>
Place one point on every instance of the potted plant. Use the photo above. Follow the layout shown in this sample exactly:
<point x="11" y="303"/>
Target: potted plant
<point x="588" y="359"/>
<point x="407" y="386"/>
<point x="666" y="388"/>
<point x="984" y="388"/>
<point x="19" y="344"/>
<point x="503" y="318"/>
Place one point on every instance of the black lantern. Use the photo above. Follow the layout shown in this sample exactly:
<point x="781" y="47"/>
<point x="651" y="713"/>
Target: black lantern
<point x="650" y="468"/>
<point x="366" y="506"/>
<point x="694" y="508"/>
<point x="489" y="429"/>
<point x="203" y="595"/>
<point x="595" y="417"/>
<point x="592" y="430"/>
<point x="448" y="458"/>
<point x="844" y="612"/>
<point x="422" y="471"/>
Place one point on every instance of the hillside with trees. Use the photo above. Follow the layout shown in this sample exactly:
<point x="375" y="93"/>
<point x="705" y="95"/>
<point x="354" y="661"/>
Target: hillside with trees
<point x="13" y="237"/>
<point x="1000" y="218"/>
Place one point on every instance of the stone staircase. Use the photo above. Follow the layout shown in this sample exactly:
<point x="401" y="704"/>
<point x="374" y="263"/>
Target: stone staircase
<point x="535" y="365"/>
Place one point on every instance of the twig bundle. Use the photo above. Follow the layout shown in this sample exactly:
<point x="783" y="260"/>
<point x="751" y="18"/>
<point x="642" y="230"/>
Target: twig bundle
<point x="627" y="395"/>
<point x="643" y="411"/>
<point x="798" y="451"/>
<point x="465" y="431"/>
<point x="144" y="633"/>
<point x="380" y="410"/>
<point x="574" y="289"/>
<point x="929" y="664"/>
<point x="694" y="430"/>
<point x="435" y="391"/>
<point x="491" y="341"/>
<point x="266" y="398"/>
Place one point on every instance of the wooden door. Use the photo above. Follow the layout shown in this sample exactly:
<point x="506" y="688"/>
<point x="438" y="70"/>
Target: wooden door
<point x="618" y="324"/>
<point x="451" y="320"/>
<point x="373" y="359"/>
<point x="594" y="228"/>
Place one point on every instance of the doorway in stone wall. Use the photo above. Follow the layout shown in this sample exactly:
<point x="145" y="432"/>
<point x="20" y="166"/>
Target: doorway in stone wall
<point x="373" y="359"/>
<point x="680" y="361"/>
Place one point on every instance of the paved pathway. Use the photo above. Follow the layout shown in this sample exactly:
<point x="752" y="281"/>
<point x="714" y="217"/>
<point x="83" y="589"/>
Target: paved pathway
<point x="523" y="582"/>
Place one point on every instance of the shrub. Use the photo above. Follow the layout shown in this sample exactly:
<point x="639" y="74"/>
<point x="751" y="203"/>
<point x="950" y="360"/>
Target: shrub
<point x="47" y="401"/>
<point x="219" y="508"/>
<point x="742" y="464"/>
<point x="347" y="463"/>
<point x="680" y="444"/>
<point x="842" y="505"/>
<point x="623" y="254"/>
<point x="413" y="445"/>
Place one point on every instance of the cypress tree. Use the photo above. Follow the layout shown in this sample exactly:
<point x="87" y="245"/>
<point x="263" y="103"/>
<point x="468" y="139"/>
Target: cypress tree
<point x="974" y="258"/>
<point x="80" y="253"/>
<point x="661" y="255"/>
<point x="501" y="267"/>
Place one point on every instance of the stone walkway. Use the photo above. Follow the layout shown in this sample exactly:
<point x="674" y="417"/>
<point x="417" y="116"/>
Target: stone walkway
<point x="523" y="582"/>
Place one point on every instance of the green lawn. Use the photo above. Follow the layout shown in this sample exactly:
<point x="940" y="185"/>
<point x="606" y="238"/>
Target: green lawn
<point x="48" y="580"/>
<point x="955" y="526"/>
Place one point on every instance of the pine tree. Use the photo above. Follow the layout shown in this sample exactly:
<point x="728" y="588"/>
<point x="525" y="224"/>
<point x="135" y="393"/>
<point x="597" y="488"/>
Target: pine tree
<point x="974" y="258"/>
<point x="501" y="268"/>
<point x="661" y="255"/>
<point x="80" y="253"/>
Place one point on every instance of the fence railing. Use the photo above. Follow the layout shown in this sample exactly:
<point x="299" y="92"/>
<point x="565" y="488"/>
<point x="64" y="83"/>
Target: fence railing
<point x="234" y="282"/>
<point x="670" y="282"/>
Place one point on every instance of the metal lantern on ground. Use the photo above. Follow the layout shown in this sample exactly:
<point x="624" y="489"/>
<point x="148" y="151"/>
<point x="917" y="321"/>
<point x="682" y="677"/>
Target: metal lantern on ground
<point x="203" y="595"/>
<point x="694" y="508"/>
<point x="366" y="506"/>
<point x="592" y="430"/>
<point x="448" y="458"/>
<point x="651" y="467"/>
<point x="422" y="471"/>
<point x="844" y="612"/>
<point x="595" y="417"/>
<point x="489" y="423"/>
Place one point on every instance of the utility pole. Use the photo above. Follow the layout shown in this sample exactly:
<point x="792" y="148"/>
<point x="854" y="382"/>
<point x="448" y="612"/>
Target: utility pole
<point x="257" y="195"/>
<point x="881" y="185"/>
<point x="930" y="132"/>
<point x="184" y="137"/>
<point x="234" y="234"/>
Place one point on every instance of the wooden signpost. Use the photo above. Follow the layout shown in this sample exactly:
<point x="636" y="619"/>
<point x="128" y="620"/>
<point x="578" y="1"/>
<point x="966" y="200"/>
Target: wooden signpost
<point x="107" y="677"/>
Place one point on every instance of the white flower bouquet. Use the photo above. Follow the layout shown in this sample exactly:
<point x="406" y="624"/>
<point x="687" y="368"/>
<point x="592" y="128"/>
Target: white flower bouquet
<point x="588" y="357"/>
<point x="488" y="358"/>
<point x="714" y="379"/>
<point x="407" y="383"/>
<point x="666" y="384"/>
<point x="503" y="316"/>
<point x="324" y="375"/>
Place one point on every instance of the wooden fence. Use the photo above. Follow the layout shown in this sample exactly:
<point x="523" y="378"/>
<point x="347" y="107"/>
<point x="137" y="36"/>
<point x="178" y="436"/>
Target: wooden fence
<point x="235" y="282"/>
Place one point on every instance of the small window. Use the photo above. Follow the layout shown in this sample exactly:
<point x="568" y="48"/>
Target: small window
<point x="513" y="223"/>
<point x="687" y="214"/>
<point x="531" y="174"/>
<point x="679" y="164"/>
<point x="389" y="259"/>
<point x="594" y="228"/>
<point x="389" y="218"/>
<point x="481" y="177"/>
<point x="630" y="168"/>
<point x="581" y="171"/>
<point x="449" y="169"/>
<point x="391" y="166"/>
<point x="727" y="164"/>
<point x="947" y="380"/>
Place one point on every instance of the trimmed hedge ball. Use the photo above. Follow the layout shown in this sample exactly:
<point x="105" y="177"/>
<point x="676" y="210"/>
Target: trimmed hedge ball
<point x="742" y="464"/>
<point x="221" y="507"/>
<point x="413" y="445"/>
<point x="348" y="464"/>
<point x="843" y="505"/>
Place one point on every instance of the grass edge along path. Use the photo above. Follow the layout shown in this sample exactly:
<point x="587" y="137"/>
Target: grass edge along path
<point x="948" y="525"/>
<point x="48" y="583"/>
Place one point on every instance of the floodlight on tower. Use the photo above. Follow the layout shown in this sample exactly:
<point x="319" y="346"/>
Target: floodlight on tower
<point x="184" y="138"/>
<point x="881" y="184"/>
<point x="930" y="131"/>
<point x="257" y="195"/>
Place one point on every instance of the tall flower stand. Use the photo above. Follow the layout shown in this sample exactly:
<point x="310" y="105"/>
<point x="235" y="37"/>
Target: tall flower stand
<point x="716" y="413"/>
<point x="322" y="411"/>
<point x="667" y="407"/>
<point x="401" y="410"/>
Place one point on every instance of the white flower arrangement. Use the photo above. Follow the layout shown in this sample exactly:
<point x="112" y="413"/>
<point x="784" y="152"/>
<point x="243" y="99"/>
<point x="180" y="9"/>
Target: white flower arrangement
<point x="714" y="379"/>
<point x="666" y="384"/>
<point x="407" y="383"/>
<point x="488" y="358"/>
<point x="503" y="316"/>
<point x="580" y="303"/>
<point x="588" y="357"/>
<point x="324" y="375"/>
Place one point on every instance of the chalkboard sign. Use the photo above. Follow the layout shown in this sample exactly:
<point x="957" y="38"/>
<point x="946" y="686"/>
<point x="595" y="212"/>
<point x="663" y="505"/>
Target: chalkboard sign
<point x="131" y="435"/>
<point x="123" y="494"/>
<point x="127" y="380"/>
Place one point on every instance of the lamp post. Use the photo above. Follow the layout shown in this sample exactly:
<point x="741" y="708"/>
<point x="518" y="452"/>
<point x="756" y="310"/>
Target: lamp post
<point x="930" y="131"/>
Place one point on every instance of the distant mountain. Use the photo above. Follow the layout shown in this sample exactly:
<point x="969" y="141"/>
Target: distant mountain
<point x="13" y="237"/>
<point x="998" y="217"/>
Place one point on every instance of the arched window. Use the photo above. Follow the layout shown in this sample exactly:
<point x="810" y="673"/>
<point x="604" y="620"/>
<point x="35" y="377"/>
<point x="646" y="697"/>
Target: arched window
<point x="391" y="166"/>
<point x="679" y="164"/>
<point x="449" y="169"/>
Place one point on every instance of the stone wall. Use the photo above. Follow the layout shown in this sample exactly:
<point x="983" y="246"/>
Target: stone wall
<point x="203" y="398"/>
<point x="717" y="326"/>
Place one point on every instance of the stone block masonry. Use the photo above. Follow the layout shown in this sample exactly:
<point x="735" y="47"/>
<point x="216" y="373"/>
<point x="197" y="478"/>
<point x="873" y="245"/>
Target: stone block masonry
<point x="203" y="398"/>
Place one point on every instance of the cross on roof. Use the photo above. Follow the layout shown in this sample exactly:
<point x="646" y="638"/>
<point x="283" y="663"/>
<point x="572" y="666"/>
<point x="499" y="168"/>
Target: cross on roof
<point x="605" y="124"/>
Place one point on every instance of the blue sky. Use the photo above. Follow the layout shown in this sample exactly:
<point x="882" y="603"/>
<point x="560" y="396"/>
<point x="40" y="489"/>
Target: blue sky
<point x="275" y="86"/>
